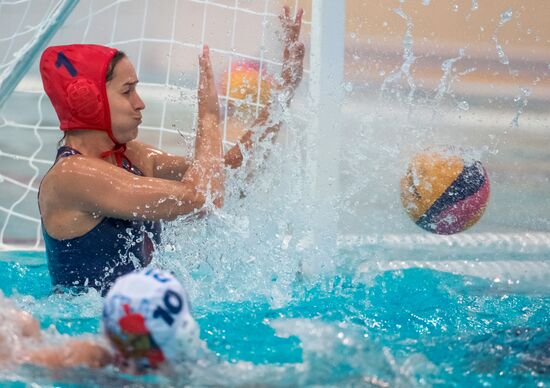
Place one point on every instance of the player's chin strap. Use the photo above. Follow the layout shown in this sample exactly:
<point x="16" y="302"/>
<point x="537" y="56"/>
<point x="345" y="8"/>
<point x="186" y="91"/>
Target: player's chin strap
<point x="118" y="152"/>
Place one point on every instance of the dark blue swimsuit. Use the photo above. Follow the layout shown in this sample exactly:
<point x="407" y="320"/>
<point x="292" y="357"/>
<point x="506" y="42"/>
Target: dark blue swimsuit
<point x="112" y="248"/>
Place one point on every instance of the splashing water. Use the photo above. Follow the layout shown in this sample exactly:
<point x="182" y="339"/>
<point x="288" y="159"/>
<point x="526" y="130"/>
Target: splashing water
<point x="521" y="102"/>
<point x="256" y="243"/>
<point x="445" y="83"/>
<point x="405" y="328"/>
<point x="391" y="83"/>
<point x="505" y="17"/>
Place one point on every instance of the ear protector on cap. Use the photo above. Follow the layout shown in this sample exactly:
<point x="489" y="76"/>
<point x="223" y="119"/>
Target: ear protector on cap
<point x="84" y="99"/>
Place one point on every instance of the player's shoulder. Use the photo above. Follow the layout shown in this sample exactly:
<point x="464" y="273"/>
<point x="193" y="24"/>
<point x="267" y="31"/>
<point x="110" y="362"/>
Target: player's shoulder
<point x="142" y="155"/>
<point x="73" y="166"/>
<point x="70" y="175"/>
<point x="140" y="147"/>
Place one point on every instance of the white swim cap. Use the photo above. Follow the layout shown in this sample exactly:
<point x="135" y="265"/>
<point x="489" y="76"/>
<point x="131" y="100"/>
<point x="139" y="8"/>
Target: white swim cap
<point x="146" y="316"/>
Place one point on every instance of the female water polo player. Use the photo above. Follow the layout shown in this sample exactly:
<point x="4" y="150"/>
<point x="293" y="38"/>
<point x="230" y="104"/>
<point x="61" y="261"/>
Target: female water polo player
<point x="146" y="321"/>
<point x="102" y="200"/>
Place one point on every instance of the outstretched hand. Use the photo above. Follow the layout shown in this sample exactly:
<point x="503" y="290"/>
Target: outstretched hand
<point x="294" y="51"/>
<point x="291" y="75"/>
<point x="207" y="170"/>
<point x="209" y="107"/>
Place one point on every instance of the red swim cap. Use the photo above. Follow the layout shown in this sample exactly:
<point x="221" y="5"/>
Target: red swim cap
<point x="74" y="80"/>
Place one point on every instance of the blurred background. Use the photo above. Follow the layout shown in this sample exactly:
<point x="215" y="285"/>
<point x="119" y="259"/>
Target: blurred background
<point x="466" y="73"/>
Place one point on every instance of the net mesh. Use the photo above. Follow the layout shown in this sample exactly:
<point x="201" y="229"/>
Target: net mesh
<point x="163" y="41"/>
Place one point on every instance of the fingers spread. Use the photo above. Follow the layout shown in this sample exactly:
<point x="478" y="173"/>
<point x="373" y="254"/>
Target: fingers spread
<point x="291" y="28"/>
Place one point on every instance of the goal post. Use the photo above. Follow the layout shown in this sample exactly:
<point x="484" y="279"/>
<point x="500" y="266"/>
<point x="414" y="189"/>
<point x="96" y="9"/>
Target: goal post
<point x="326" y="83"/>
<point x="16" y="68"/>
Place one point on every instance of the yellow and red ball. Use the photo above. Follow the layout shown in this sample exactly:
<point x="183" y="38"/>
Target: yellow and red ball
<point x="445" y="191"/>
<point x="246" y="87"/>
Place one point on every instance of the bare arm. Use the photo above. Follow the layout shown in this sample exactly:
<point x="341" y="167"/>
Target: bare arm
<point x="15" y="326"/>
<point x="157" y="163"/>
<point x="291" y="75"/>
<point x="92" y="186"/>
<point x="70" y="354"/>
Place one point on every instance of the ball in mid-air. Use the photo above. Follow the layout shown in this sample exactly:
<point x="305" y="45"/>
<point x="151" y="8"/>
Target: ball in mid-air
<point x="444" y="190"/>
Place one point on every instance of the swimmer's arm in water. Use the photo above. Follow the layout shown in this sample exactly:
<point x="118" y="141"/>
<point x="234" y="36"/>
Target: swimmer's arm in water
<point x="291" y="75"/>
<point x="21" y="326"/>
<point x="72" y="353"/>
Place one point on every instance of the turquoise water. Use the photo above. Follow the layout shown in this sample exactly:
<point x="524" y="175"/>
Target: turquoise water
<point x="411" y="327"/>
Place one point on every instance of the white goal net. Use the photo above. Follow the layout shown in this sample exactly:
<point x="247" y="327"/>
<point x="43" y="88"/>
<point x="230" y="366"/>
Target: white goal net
<point x="163" y="39"/>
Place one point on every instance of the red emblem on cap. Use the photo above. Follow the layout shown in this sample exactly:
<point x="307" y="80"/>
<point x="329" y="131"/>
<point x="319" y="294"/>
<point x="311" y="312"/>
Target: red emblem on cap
<point x="132" y="323"/>
<point x="140" y="343"/>
<point x="85" y="101"/>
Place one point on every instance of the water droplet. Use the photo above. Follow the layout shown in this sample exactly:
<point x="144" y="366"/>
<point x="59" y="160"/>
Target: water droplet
<point x="455" y="8"/>
<point x="506" y="16"/>
<point x="502" y="58"/>
<point x="348" y="87"/>
<point x="463" y="105"/>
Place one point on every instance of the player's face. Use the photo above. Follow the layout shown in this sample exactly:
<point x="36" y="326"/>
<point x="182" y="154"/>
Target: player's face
<point x="124" y="102"/>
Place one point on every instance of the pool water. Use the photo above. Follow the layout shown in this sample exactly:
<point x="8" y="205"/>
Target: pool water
<point x="405" y="327"/>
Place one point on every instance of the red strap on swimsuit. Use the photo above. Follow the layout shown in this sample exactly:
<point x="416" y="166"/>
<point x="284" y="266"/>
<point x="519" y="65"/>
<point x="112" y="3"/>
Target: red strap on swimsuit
<point x="118" y="152"/>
